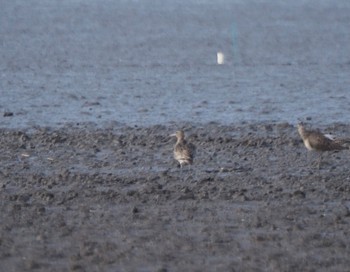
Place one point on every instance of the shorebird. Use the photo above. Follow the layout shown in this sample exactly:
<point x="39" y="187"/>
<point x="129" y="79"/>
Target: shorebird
<point x="183" y="151"/>
<point x="314" y="140"/>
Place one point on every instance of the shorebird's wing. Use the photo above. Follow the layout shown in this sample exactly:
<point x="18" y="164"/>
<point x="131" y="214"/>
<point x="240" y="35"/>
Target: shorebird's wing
<point x="330" y="136"/>
<point x="343" y="142"/>
<point x="319" y="141"/>
<point x="192" y="149"/>
<point x="183" y="152"/>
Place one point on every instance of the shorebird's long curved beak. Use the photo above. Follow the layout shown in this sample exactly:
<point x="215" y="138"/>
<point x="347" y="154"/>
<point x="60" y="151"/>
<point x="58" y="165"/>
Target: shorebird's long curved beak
<point x="172" y="135"/>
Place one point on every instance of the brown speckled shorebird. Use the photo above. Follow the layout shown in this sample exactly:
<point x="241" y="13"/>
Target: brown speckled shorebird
<point x="183" y="151"/>
<point x="314" y="140"/>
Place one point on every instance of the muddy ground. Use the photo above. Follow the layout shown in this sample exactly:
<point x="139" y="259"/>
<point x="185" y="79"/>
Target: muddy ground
<point x="84" y="198"/>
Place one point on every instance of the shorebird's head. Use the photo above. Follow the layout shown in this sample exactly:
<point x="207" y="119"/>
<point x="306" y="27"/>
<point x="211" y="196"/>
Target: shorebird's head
<point x="180" y="135"/>
<point x="301" y="128"/>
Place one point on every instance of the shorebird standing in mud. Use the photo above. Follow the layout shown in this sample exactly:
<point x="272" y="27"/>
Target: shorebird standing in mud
<point x="314" y="140"/>
<point x="183" y="151"/>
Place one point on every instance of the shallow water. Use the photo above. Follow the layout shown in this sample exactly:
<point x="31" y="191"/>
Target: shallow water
<point x="154" y="62"/>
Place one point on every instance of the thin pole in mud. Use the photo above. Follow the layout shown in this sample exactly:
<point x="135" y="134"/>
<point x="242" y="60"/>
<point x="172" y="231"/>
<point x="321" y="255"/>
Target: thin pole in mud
<point x="235" y="47"/>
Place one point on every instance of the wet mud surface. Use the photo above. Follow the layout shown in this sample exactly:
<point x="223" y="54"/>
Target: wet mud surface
<point x="82" y="198"/>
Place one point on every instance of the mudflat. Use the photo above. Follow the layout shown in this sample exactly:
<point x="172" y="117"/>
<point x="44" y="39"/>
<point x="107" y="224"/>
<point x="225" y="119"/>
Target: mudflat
<point x="86" y="198"/>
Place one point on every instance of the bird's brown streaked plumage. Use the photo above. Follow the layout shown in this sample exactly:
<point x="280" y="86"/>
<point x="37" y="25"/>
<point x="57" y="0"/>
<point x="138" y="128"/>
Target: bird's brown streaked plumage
<point x="183" y="151"/>
<point x="315" y="140"/>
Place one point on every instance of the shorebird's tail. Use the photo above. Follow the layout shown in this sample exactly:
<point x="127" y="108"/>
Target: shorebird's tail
<point x="345" y="143"/>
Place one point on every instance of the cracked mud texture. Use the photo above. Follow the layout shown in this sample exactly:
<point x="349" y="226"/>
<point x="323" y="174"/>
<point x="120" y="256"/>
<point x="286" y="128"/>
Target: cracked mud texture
<point x="83" y="198"/>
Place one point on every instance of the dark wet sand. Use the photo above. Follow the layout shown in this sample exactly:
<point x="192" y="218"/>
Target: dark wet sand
<point x="82" y="198"/>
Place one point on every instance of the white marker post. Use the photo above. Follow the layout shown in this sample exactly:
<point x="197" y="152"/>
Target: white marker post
<point x="220" y="57"/>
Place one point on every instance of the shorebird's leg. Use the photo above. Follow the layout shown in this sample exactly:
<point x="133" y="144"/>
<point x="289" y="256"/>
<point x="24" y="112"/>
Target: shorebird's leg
<point x="313" y="160"/>
<point x="183" y="175"/>
<point x="319" y="161"/>
<point x="309" y="159"/>
<point x="189" y="171"/>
